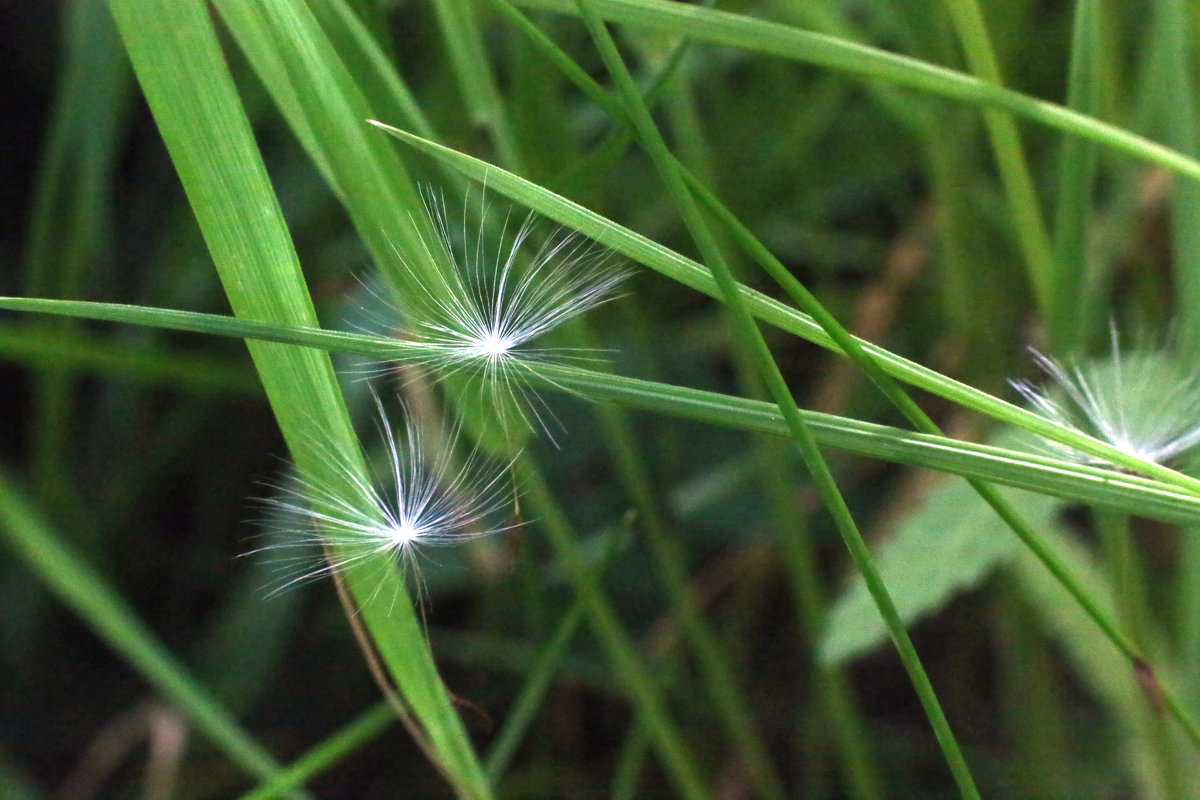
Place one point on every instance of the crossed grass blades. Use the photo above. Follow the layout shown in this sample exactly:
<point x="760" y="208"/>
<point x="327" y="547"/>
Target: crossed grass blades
<point x="479" y="321"/>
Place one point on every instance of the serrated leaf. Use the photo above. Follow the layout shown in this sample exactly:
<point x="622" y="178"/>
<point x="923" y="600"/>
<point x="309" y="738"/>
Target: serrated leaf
<point x="951" y="542"/>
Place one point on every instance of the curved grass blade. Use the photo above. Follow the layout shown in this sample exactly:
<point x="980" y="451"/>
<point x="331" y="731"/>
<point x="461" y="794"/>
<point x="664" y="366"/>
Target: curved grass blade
<point x="774" y="39"/>
<point x="684" y="270"/>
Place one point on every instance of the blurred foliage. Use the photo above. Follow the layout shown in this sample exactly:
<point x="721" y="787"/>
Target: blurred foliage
<point x="142" y="450"/>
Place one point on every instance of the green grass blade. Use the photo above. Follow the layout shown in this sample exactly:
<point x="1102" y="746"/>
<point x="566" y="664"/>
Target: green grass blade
<point x="178" y="60"/>
<point x="679" y="763"/>
<point x="77" y="351"/>
<point x="476" y="81"/>
<point x="362" y="729"/>
<point x="377" y="77"/>
<point x="770" y="38"/>
<point x="1068" y="316"/>
<point x="527" y="704"/>
<point x="1010" y="156"/>
<point x="71" y="210"/>
<point x="1174" y="43"/>
<point x="755" y="346"/>
<point x="1138" y="495"/>
<point x="88" y="595"/>
<point x="677" y="267"/>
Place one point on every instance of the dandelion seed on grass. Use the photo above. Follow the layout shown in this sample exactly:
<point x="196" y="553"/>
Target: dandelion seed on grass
<point x="1144" y="401"/>
<point x="388" y="517"/>
<point x="483" y="318"/>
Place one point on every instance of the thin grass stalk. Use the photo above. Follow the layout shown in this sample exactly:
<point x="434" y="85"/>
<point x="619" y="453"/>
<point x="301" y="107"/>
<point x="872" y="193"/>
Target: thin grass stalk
<point x="1126" y="574"/>
<point x="69" y="222"/>
<point x="1034" y="708"/>
<point x="102" y="608"/>
<point x="541" y="669"/>
<point x="1038" y="544"/>
<point x="770" y="38"/>
<point x="473" y="69"/>
<point x="1068" y="316"/>
<point x="678" y="762"/>
<point x="860" y="779"/>
<point x="1173" y="41"/>
<point x="1067" y="479"/>
<point x="363" y="729"/>
<point x="711" y="657"/>
<point x="179" y="62"/>
<point x="785" y="317"/>
<point x="1030" y="231"/>
<point x="528" y="702"/>
<point x="751" y="339"/>
<point x="631" y="759"/>
<point x="476" y="82"/>
<point x="383" y="86"/>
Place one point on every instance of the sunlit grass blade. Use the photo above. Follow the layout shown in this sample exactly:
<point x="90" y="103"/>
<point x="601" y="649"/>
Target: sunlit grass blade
<point x="179" y="63"/>
<point x="1145" y="496"/>
<point x="677" y="267"/>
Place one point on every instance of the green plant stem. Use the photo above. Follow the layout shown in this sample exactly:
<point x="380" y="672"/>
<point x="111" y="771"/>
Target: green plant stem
<point x="1010" y="157"/>
<point x="860" y="776"/>
<point x="770" y="38"/>
<point x="714" y="664"/>
<point x="1038" y="544"/>
<point x="1174" y="38"/>
<point x="1091" y="485"/>
<point x="679" y="268"/>
<point x="678" y="762"/>
<point x="476" y="81"/>
<point x="70" y="218"/>
<point x="89" y="596"/>
<point x="364" y="728"/>
<point x="630" y="761"/>
<point x="184" y="74"/>
<point x="1034" y="697"/>
<point x="1126" y="576"/>
<point x="751" y="339"/>
<point x="525" y="708"/>
<point x="718" y="676"/>
<point x="1070" y="310"/>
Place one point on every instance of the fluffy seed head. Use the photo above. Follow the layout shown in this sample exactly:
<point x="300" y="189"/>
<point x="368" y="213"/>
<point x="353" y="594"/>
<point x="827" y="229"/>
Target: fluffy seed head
<point x="420" y="499"/>
<point x="1145" y="402"/>
<point x="483" y="318"/>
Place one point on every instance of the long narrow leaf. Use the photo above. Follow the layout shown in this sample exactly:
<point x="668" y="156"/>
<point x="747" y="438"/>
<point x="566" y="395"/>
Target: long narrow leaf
<point x="1143" y="496"/>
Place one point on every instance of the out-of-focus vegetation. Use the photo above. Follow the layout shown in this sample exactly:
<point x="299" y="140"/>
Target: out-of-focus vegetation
<point x="671" y="609"/>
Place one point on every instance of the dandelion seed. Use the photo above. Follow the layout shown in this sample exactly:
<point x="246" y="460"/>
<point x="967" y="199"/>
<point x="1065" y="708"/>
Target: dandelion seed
<point x="420" y="500"/>
<point x="1145" y="402"/>
<point x="482" y="319"/>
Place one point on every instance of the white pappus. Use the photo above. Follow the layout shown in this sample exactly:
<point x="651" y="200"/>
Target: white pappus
<point x="421" y="499"/>
<point x="1145" y="401"/>
<point x="483" y="317"/>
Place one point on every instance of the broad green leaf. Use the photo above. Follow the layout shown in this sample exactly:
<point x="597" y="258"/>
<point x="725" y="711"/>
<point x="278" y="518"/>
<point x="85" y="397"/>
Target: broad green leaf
<point x="949" y="543"/>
